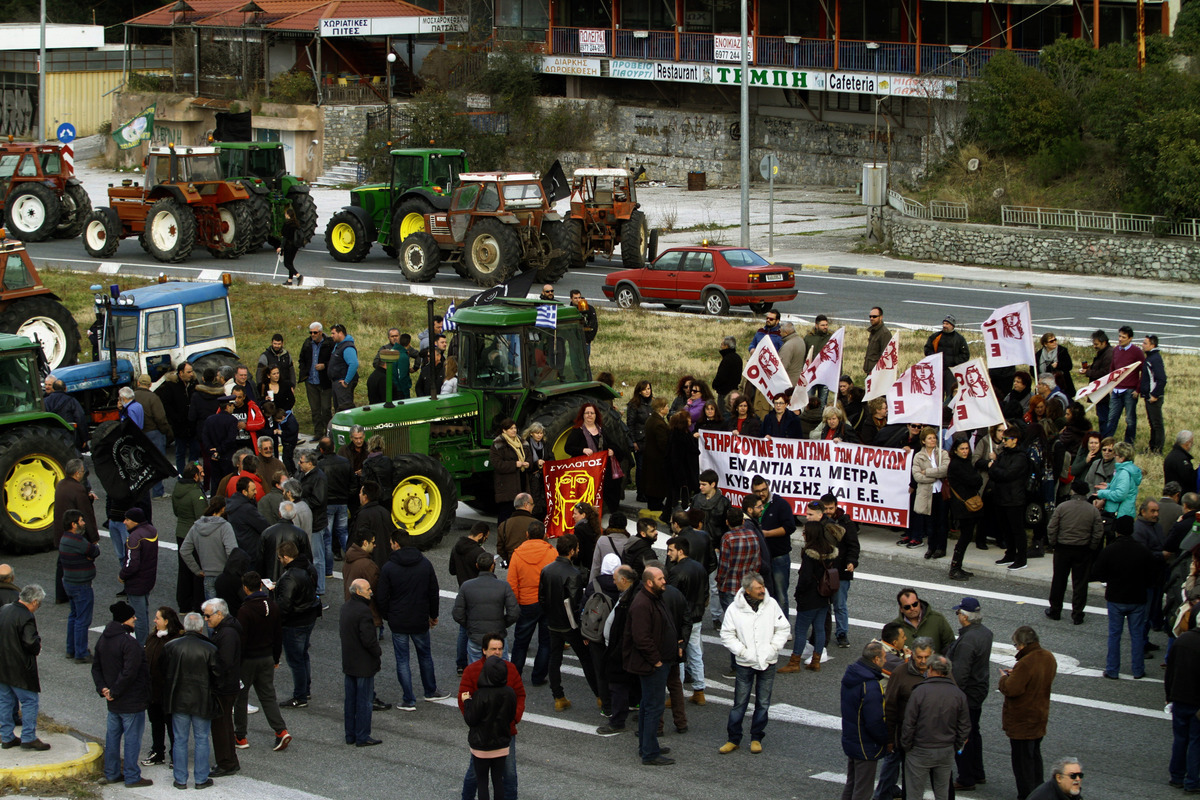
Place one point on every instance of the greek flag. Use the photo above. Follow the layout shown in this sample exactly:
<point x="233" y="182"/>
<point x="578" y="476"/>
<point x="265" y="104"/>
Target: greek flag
<point x="547" y="317"/>
<point x="448" y="319"/>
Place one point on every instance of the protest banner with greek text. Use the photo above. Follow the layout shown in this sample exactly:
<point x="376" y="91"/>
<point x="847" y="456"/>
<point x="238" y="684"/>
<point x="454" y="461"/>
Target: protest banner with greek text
<point x="871" y="483"/>
<point x="573" y="480"/>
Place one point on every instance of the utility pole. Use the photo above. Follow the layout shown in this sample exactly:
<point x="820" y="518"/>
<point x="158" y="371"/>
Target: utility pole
<point x="745" y="128"/>
<point x="41" y="118"/>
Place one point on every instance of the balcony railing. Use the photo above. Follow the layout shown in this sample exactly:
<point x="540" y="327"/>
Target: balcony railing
<point x="937" y="209"/>
<point x="1099" y="221"/>
<point x="893" y="58"/>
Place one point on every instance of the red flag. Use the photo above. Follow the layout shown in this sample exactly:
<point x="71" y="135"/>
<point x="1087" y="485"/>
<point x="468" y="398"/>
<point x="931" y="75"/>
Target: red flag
<point x="574" y="480"/>
<point x="1100" y="388"/>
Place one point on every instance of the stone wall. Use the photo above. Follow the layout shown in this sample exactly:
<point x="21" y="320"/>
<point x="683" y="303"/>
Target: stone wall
<point x="345" y="127"/>
<point x="670" y="143"/>
<point x="1058" y="251"/>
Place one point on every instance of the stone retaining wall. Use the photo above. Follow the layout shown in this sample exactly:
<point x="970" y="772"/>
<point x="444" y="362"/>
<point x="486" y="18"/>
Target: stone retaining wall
<point x="1029" y="248"/>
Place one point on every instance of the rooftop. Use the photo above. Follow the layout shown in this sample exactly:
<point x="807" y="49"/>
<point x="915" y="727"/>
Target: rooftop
<point x="286" y="15"/>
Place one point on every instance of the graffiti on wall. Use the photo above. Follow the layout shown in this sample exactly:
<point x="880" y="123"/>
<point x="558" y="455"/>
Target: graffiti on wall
<point x="17" y="112"/>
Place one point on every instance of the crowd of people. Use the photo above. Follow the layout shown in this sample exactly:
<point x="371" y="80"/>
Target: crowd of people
<point x="261" y="521"/>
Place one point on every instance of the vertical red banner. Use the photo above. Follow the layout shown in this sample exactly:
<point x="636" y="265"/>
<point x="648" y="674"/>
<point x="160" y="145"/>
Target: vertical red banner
<point x="574" y="480"/>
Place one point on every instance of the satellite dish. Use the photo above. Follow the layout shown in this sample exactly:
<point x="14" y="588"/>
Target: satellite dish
<point x="973" y="165"/>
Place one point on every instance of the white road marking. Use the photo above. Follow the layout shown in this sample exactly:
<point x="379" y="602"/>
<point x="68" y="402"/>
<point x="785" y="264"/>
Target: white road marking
<point x="943" y="305"/>
<point x="209" y="275"/>
<point x="109" y="269"/>
<point x="840" y="778"/>
<point x="960" y="590"/>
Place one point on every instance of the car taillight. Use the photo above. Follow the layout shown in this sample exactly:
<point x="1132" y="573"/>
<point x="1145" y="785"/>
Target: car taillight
<point x="754" y="277"/>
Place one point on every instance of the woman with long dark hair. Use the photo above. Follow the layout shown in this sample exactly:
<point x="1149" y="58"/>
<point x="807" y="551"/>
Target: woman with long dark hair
<point x="289" y="245"/>
<point x="636" y="414"/>
<point x="490" y="712"/>
<point x="743" y="420"/>
<point x="655" y="459"/>
<point x="166" y="627"/>
<point x="683" y="393"/>
<point x="683" y="456"/>
<point x="274" y="390"/>
<point x="510" y="468"/>
<point x="587" y="437"/>
<point x="711" y="418"/>
<point x="966" y="484"/>
<point x="587" y="531"/>
<point x="698" y="395"/>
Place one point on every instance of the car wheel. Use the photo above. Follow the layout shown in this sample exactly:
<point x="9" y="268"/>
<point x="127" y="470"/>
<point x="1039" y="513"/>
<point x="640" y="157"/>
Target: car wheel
<point x="761" y="308"/>
<point x="715" y="303"/>
<point x="627" y="296"/>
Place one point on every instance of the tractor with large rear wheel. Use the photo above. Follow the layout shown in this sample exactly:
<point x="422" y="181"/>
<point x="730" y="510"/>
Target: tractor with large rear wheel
<point x="39" y="194"/>
<point x="605" y="214"/>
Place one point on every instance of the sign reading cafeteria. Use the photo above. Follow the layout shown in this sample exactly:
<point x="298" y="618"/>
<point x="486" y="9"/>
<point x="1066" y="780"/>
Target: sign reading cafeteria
<point x="871" y="483"/>
<point x="392" y="26"/>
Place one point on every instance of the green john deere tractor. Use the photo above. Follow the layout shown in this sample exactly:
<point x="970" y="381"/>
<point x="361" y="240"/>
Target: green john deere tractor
<point x="35" y="447"/>
<point x="421" y="183"/>
<point x="260" y="168"/>
<point x="507" y="367"/>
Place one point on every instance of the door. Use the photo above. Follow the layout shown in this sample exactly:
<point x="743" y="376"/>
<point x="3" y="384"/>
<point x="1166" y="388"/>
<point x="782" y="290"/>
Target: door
<point x="658" y="279"/>
<point x="694" y="274"/>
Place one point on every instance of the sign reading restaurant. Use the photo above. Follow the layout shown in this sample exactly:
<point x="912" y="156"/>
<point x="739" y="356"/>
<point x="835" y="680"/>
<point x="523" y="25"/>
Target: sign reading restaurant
<point x="391" y="26"/>
<point x="660" y="71"/>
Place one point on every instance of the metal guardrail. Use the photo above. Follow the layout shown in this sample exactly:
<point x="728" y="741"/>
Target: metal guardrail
<point x="1099" y="221"/>
<point x="937" y="209"/>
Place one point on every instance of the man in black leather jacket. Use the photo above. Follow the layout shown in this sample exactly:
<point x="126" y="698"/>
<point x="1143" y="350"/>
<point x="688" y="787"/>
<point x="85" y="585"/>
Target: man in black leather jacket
<point x="190" y="698"/>
<point x="560" y="594"/>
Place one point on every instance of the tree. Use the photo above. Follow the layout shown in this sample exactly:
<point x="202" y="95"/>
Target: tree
<point x="1015" y="108"/>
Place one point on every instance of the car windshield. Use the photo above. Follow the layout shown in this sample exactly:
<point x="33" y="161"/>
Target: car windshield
<point x="491" y="360"/>
<point x="745" y="258"/>
<point x="443" y="170"/>
<point x="124" y="330"/>
<point x="18" y="377"/>
<point x="522" y="195"/>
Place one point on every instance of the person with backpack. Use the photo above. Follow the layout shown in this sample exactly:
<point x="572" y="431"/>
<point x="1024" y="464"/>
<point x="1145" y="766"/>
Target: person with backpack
<point x="816" y="584"/>
<point x="560" y="594"/>
<point x="613" y="542"/>
<point x="490" y="711"/>
<point x="599" y="598"/>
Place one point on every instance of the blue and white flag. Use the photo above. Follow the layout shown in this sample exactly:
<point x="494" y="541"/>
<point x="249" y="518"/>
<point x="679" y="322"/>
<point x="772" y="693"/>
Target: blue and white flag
<point x="448" y="319"/>
<point x="547" y="317"/>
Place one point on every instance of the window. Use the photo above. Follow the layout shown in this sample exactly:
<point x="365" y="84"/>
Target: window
<point x="16" y="275"/>
<point x="51" y="163"/>
<point x="491" y="360"/>
<point x="745" y="258"/>
<point x="490" y="199"/>
<point x="28" y="168"/>
<point x="18" y="377"/>
<point x="231" y="161"/>
<point x="669" y="260"/>
<point x="160" y="330"/>
<point x="406" y="171"/>
<point x="465" y="198"/>
<point x="523" y="195"/>
<point x="443" y="170"/>
<point x="199" y="168"/>
<point x="207" y="320"/>
<point x="8" y="165"/>
<point x="698" y="262"/>
<point x="124" y="331"/>
<point x="160" y="168"/>
<point x="265" y="163"/>
<point x="555" y="356"/>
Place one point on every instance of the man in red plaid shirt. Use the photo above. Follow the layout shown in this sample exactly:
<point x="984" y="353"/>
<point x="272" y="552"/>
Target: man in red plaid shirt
<point x="739" y="555"/>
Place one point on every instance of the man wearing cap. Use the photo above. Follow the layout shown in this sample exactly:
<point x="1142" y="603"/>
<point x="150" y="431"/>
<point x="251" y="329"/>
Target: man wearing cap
<point x="140" y="570"/>
<point x="953" y="347"/>
<point x="1128" y="569"/>
<point x="970" y="658"/>
<point x="314" y="361"/>
<point x="122" y="678"/>
<point x="1075" y="531"/>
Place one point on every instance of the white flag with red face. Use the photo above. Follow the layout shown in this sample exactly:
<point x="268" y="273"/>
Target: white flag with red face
<point x="1008" y="336"/>
<point x="917" y="396"/>
<point x="821" y="368"/>
<point x="765" y="371"/>
<point x="1100" y="388"/>
<point x="975" y="403"/>
<point x="883" y="375"/>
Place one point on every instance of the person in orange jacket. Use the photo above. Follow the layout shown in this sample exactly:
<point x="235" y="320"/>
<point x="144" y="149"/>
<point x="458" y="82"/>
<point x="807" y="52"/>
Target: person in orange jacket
<point x="524" y="575"/>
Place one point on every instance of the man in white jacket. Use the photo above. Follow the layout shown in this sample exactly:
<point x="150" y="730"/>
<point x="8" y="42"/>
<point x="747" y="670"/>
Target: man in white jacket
<point x="754" y="630"/>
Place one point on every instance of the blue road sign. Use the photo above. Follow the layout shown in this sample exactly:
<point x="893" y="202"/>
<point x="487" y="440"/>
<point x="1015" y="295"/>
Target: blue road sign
<point x="66" y="133"/>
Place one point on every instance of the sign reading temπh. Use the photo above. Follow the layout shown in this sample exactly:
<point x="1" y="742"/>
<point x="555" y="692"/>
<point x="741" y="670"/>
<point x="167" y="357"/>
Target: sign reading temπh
<point x="575" y="480"/>
<point x="871" y="483"/>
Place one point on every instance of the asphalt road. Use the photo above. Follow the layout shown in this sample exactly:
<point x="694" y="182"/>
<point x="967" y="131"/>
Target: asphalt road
<point x="1073" y="312"/>
<point x="1116" y="728"/>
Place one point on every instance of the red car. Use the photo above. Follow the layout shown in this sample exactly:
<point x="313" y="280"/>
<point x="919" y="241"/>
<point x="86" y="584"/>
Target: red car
<point x="714" y="277"/>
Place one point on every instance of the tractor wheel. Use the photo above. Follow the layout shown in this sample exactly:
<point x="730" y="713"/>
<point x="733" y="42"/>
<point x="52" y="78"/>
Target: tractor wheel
<point x="634" y="236"/>
<point x="33" y="212"/>
<point x="761" y="308"/>
<point x="493" y="252"/>
<point x="215" y="361"/>
<point x="49" y="321"/>
<point x="170" y="231"/>
<point x="627" y="296"/>
<point x="409" y="219"/>
<point x="558" y="417"/>
<point x="652" y="249"/>
<point x="576" y="247"/>
<point x="32" y="461"/>
<point x="102" y="233"/>
<point x="715" y="303"/>
<point x="391" y="252"/>
<point x="420" y="257"/>
<point x="236" y="231"/>
<point x="260" y="219"/>
<point x="76" y="207"/>
<point x="305" y="209"/>
<point x="425" y="499"/>
<point x="345" y="238"/>
<point x="145" y="245"/>
<point x="554" y="237"/>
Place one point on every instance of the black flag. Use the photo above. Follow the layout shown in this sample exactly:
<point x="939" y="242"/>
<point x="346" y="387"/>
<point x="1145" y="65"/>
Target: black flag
<point x="518" y="286"/>
<point x="554" y="183"/>
<point x="233" y="126"/>
<point x="126" y="461"/>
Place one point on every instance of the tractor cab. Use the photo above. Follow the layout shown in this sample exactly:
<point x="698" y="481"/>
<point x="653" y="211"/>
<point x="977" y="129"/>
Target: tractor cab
<point x="260" y="162"/>
<point x="183" y="165"/>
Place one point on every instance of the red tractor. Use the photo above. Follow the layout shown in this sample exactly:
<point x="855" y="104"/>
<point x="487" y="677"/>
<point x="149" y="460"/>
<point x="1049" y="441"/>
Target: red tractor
<point x="605" y="213"/>
<point x="39" y="193"/>
<point x="185" y="202"/>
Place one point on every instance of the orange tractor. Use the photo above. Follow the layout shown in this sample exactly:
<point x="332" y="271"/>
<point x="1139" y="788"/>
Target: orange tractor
<point x="605" y="213"/>
<point x="39" y="193"/>
<point x="185" y="202"/>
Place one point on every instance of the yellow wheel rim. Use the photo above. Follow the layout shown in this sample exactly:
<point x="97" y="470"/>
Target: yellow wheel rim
<point x="343" y="237"/>
<point x="29" y="490"/>
<point x="416" y="504"/>
<point x="559" y="447"/>
<point x="412" y="223"/>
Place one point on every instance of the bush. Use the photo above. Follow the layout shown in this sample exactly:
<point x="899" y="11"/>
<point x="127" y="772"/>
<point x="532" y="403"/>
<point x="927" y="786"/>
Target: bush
<point x="1014" y="108"/>
<point x="141" y="83"/>
<point x="1058" y="159"/>
<point x="1164" y="163"/>
<point x="373" y="152"/>
<point x="294" y="86"/>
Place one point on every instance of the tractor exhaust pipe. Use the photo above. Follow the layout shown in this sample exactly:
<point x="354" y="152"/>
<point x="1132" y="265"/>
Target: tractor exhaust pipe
<point x="433" y="386"/>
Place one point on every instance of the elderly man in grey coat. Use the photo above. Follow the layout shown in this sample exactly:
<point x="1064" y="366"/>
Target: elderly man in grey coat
<point x="936" y="726"/>
<point x="970" y="658"/>
<point x="484" y="605"/>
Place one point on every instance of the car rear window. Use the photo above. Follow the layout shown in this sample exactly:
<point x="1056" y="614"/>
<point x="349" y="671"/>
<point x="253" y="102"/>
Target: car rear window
<point x="744" y="258"/>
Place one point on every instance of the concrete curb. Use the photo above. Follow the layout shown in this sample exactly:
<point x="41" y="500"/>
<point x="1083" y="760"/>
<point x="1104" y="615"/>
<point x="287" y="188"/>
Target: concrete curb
<point x="87" y="764"/>
<point x="868" y="272"/>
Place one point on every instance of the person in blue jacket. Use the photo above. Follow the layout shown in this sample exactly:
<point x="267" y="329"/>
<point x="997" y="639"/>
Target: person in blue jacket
<point x="864" y="732"/>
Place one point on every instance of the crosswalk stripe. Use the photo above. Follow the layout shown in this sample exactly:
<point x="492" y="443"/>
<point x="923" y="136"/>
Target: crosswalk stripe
<point x="839" y="778"/>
